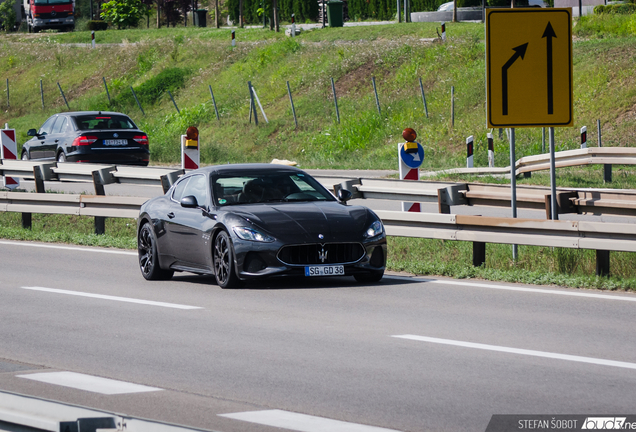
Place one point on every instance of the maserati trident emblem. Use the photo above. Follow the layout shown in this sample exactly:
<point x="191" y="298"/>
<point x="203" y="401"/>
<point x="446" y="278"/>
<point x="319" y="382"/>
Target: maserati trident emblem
<point x="322" y="255"/>
<point x="320" y="236"/>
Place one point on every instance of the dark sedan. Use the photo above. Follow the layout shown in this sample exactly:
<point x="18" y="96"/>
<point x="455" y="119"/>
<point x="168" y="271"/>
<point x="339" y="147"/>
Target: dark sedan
<point x="88" y="136"/>
<point x="251" y="221"/>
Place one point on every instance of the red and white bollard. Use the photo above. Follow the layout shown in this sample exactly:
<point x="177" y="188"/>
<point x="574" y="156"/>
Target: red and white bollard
<point x="469" y="152"/>
<point x="293" y="28"/>
<point x="491" y="152"/>
<point x="9" y="150"/>
<point x="584" y="137"/>
<point x="190" y="156"/>
<point x="233" y="39"/>
<point x="411" y="156"/>
<point x="93" y="38"/>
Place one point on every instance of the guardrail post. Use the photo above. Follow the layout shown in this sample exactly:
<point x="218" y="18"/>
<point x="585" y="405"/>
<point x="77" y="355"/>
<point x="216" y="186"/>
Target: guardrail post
<point x="100" y="178"/>
<point x="479" y="253"/>
<point x="38" y="176"/>
<point x="602" y="263"/>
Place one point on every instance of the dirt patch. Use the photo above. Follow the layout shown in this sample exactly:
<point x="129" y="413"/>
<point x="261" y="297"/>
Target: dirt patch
<point x="358" y="80"/>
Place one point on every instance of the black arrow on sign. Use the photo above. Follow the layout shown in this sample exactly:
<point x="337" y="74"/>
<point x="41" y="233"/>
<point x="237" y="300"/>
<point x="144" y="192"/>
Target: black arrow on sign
<point x="520" y="51"/>
<point x="549" y="34"/>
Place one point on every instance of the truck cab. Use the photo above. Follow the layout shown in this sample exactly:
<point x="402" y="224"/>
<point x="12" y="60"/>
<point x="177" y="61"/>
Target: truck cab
<point x="49" y="14"/>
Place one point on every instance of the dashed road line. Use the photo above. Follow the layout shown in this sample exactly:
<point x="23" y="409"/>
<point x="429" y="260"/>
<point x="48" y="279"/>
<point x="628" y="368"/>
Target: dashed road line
<point x="89" y="383"/>
<point x="301" y="422"/>
<point x="545" y="354"/>
<point x="114" y="298"/>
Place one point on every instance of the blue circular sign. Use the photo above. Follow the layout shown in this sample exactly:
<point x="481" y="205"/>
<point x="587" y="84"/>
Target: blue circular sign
<point x="412" y="160"/>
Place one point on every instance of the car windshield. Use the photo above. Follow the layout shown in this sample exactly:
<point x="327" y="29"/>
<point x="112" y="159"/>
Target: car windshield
<point x="264" y="187"/>
<point x="98" y="121"/>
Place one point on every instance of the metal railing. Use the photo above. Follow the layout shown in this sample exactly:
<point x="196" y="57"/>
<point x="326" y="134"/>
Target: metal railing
<point x="594" y="155"/>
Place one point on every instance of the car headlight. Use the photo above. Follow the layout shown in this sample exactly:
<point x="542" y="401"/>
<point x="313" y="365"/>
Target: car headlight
<point x="374" y="230"/>
<point x="245" y="233"/>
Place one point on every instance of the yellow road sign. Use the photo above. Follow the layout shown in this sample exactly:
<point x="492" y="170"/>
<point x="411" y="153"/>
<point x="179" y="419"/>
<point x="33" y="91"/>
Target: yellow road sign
<point x="529" y="67"/>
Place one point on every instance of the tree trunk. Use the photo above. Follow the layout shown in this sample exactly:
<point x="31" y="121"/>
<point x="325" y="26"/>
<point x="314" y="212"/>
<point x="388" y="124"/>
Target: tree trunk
<point x="455" y="10"/>
<point x="241" y="13"/>
<point x="158" y="15"/>
<point x="216" y="13"/>
<point x="275" y="7"/>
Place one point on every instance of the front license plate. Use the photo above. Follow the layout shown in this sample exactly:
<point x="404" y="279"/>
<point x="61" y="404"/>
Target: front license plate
<point x="121" y="142"/>
<point x="336" y="270"/>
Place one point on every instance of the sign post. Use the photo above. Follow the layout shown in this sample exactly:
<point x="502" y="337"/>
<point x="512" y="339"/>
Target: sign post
<point x="411" y="156"/>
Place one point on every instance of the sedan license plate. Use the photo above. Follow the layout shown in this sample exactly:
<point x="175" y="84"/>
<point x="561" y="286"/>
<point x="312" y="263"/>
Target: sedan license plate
<point x="115" y="142"/>
<point x="336" y="270"/>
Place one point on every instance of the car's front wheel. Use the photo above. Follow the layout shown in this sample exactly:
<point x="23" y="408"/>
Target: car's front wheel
<point x="148" y="256"/>
<point x="25" y="155"/>
<point x="224" y="262"/>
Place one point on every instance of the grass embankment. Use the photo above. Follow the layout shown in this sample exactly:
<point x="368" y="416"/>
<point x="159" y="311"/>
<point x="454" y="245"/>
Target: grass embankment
<point x="396" y="55"/>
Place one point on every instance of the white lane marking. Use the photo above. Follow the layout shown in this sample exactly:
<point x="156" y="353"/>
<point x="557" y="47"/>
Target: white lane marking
<point x="115" y="298"/>
<point x="89" y="383"/>
<point x="521" y="289"/>
<point x="592" y="360"/>
<point x="81" y="249"/>
<point x="301" y="422"/>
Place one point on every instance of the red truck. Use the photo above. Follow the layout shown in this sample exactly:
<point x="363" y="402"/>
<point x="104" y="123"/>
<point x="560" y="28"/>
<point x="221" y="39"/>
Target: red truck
<point x="49" y="14"/>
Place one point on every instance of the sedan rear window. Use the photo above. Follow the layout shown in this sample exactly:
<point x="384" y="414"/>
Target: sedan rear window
<point x="96" y="122"/>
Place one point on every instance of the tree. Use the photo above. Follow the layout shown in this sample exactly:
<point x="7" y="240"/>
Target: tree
<point x="123" y="13"/>
<point x="7" y="15"/>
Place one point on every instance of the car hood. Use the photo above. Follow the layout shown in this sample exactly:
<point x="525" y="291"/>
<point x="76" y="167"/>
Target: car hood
<point x="304" y="222"/>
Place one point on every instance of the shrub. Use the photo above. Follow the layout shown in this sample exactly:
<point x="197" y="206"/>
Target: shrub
<point x="7" y="15"/>
<point x="599" y="10"/>
<point x="96" y="25"/>
<point x="123" y="13"/>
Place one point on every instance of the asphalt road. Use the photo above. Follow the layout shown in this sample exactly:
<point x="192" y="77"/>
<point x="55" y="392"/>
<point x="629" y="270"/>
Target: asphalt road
<point x="328" y="348"/>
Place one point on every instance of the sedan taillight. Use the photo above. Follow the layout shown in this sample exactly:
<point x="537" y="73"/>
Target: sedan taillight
<point x="141" y="139"/>
<point x="84" y="140"/>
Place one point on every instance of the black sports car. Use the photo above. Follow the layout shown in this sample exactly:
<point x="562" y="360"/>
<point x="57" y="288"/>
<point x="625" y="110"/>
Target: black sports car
<point x="250" y="221"/>
<point x="88" y="136"/>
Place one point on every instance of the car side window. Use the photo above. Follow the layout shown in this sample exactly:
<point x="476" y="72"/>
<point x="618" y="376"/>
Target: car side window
<point x="47" y="126"/>
<point x="177" y="193"/>
<point x="197" y="187"/>
<point x="60" y="125"/>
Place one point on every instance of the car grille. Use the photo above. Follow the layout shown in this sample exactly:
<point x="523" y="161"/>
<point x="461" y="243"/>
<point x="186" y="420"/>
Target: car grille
<point x="329" y="253"/>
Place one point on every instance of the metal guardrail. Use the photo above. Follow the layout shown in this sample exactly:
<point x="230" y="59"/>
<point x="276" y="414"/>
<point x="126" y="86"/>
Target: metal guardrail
<point x="71" y="204"/>
<point x="569" y="200"/>
<point x="568" y="158"/>
<point x="98" y="174"/>
<point x="21" y="413"/>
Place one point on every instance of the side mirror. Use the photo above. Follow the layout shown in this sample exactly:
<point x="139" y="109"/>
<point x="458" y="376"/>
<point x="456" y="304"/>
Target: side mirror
<point x="344" y="195"/>
<point x="32" y="132"/>
<point x="189" y="202"/>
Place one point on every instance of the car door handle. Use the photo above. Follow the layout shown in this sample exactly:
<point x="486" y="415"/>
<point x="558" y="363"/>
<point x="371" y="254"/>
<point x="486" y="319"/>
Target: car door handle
<point x="170" y="215"/>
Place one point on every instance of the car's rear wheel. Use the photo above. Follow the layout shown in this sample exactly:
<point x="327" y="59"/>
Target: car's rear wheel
<point x="148" y="256"/>
<point x="25" y="155"/>
<point x="224" y="262"/>
<point x="374" y="276"/>
<point x="61" y="157"/>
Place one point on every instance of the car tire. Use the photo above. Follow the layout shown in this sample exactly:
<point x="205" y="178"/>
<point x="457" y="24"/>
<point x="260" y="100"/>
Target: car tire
<point x="374" y="276"/>
<point x="25" y="155"/>
<point x="223" y="259"/>
<point x="61" y="157"/>
<point x="148" y="255"/>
